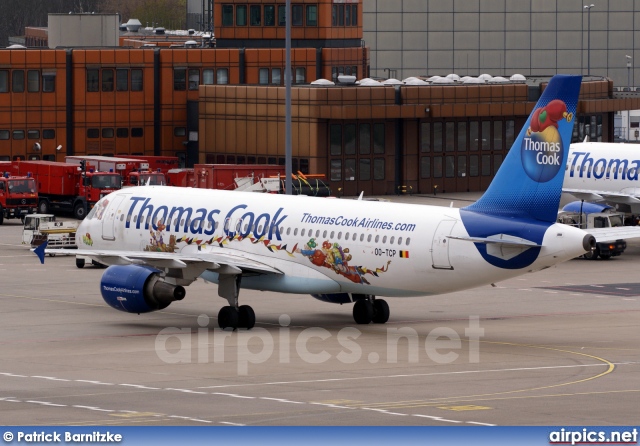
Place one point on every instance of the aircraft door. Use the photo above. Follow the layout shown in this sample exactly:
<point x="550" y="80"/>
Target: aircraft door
<point x="440" y="245"/>
<point x="111" y="217"/>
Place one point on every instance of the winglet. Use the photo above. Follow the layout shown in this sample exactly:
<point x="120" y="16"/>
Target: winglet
<point x="39" y="251"/>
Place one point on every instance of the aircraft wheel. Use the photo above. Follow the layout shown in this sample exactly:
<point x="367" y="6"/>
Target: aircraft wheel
<point x="363" y="311"/>
<point x="246" y="317"/>
<point x="80" y="263"/>
<point x="380" y="311"/>
<point x="228" y="317"/>
<point x="591" y="255"/>
<point x="605" y="256"/>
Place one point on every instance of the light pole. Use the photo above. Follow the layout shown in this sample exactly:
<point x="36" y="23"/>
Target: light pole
<point x="588" y="8"/>
<point x="628" y="71"/>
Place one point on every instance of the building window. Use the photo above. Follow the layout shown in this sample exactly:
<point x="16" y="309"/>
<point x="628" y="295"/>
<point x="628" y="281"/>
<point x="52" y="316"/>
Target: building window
<point x="18" y="134"/>
<point x="93" y="80"/>
<point x="136" y="132"/>
<point x="354" y="15"/>
<point x="486" y="135"/>
<point x="340" y="15"/>
<point x="364" y="146"/>
<point x="223" y="76"/>
<point x="282" y="15"/>
<point x="276" y="76"/>
<point x="227" y="15"/>
<point x="349" y="139"/>
<point x="336" y="170"/>
<point x="107" y="133"/>
<point x="425" y="137"/>
<point x="335" y="139"/>
<point x="93" y="133"/>
<point x="33" y="81"/>
<point x="256" y="19"/>
<point x="269" y="15"/>
<point x="263" y="76"/>
<point x="449" y="166"/>
<point x="33" y="134"/>
<point x="17" y="81"/>
<point x="486" y="165"/>
<point x="194" y="79"/>
<point x="474" y="137"/>
<point x="473" y="166"/>
<point x="179" y="79"/>
<point x="462" y="136"/>
<point x="312" y="15"/>
<point x="241" y="15"/>
<point x="180" y="131"/>
<point x="4" y="134"/>
<point x="122" y="132"/>
<point x="509" y="133"/>
<point x="122" y="80"/>
<point x="48" y="82"/>
<point x="497" y="135"/>
<point x="378" y="138"/>
<point x="296" y="15"/>
<point x="207" y="77"/>
<point x="378" y="168"/>
<point x="4" y="81"/>
<point x="300" y="75"/>
<point x="136" y="80"/>
<point x="107" y="80"/>
<point x="437" y="137"/>
<point x="462" y="166"/>
<point x="334" y="15"/>
<point x="347" y="16"/>
<point x="48" y="134"/>
<point x="365" y="169"/>
<point x="497" y="162"/>
<point x="449" y="136"/>
<point x="350" y="169"/>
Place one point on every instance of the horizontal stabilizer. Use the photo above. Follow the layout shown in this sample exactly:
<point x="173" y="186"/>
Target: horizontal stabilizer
<point x="596" y="196"/>
<point x="502" y="246"/>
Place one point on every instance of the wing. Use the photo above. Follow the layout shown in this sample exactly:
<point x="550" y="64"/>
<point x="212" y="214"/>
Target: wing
<point x="184" y="268"/>
<point x="613" y="234"/>
<point x="598" y="196"/>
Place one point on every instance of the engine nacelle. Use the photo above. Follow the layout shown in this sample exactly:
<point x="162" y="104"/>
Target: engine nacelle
<point x="137" y="289"/>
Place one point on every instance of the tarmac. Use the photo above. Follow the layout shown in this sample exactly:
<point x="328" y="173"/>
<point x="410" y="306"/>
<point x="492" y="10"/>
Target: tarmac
<point x="556" y="347"/>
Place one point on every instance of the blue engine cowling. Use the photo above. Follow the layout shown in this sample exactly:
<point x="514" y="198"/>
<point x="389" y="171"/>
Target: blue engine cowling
<point x="137" y="289"/>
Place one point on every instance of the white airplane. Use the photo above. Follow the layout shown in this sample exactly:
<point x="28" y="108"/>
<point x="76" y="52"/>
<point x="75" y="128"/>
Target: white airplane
<point x="604" y="172"/>
<point x="160" y="239"/>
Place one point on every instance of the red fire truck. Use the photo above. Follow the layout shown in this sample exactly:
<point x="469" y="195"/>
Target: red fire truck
<point x="67" y="187"/>
<point x="18" y="196"/>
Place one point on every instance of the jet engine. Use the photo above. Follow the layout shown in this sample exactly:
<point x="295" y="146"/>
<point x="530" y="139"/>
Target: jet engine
<point x="137" y="289"/>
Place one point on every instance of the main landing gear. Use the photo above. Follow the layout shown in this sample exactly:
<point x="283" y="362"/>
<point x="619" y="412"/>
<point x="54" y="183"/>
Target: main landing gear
<point x="368" y="309"/>
<point x="233" y="315"/>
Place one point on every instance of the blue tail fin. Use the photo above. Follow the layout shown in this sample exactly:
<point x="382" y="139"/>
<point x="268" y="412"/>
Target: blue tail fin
<point x="529" y="182"/>
<point x="39" y="251"/>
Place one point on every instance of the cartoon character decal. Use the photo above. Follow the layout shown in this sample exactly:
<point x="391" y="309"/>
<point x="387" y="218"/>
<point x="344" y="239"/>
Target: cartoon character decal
<point x="101" y="206"/>
<point x="86" y="239"/>
<point x="329" y="255"/>
<point x="156" y="240"/>
<point x="337" y="258"/>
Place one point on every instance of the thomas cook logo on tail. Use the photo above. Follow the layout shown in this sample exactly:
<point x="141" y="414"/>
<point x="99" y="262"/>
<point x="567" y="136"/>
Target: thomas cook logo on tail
<point x="542" y="148"/>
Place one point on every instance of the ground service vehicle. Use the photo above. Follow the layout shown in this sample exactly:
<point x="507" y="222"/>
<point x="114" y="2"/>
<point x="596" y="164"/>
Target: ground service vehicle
<point x="591" y="216"/>
<point x="67" y="187"/>
<point x="40" y="228"/>
<point x="18" y="196"/>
